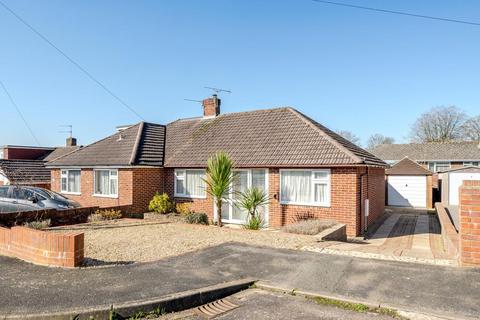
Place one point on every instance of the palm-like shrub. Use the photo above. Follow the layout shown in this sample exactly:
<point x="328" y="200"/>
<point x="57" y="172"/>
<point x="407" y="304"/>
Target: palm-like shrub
<point x="220" y="176"/>
<point x="252" y="199"/>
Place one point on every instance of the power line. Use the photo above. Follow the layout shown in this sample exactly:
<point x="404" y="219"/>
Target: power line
<point x="20" y="113"/>
<point x="76" y="64"/>
<point x="341" y="4"/>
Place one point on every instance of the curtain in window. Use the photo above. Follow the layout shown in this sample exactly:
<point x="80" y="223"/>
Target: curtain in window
<point x="195" y="185"/>
<point x="296" y="186"/>
<point x="113" y="185"/>
<point x="73" y="181"/>
<point x="320" y="192"/>
<point x="102" y="182"/>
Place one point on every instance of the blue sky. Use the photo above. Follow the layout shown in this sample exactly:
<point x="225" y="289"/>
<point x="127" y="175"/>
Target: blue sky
<point x="349" y="69"/>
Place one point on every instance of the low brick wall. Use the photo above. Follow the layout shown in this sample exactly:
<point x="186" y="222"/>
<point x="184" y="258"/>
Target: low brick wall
<point x="450" y="235"/>
<point x="57" y="217"/>
<point x="42" y="247"/>
<point x="469" y="213"/>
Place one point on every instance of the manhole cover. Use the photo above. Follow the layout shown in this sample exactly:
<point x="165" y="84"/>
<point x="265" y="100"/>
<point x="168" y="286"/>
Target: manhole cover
<point x="215" y="308"/>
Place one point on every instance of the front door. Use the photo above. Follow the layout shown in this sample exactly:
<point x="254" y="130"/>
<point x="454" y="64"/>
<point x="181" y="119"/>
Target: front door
<point x="244" y="179"/>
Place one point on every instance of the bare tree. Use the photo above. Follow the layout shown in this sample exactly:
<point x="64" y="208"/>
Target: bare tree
<point x="471" y="129"/>
<point x="350" y="136"/>
<point x="378" y="139"/>
<point x="440" y="124"/>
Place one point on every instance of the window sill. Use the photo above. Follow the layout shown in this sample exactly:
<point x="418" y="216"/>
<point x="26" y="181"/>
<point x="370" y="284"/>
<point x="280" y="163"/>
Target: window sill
<point x="105" y="196"/>
<point x="71" y="193"/>
<point x="322" y="205"/>
<point x="189" y="197"/>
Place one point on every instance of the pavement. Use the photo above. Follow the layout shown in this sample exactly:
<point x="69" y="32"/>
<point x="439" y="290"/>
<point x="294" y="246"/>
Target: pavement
<point x="266" y="305"/>
<point x="26" y="288"/>
<point x="407" y="236"/>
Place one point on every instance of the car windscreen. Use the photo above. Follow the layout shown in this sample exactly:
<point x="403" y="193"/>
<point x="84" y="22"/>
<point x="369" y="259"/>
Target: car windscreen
<point x="54" y="195"/>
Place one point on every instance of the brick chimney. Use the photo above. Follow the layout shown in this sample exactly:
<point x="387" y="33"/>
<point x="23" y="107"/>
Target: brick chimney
<point x="71" y="142"/>
<point x="211" y="107"/>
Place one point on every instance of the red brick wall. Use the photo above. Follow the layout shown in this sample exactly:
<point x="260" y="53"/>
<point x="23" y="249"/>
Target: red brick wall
<point x="146" y="182"/>
<point x="87" y="199"/>
<point x="196" y="205"/>
<point x="469" y="230"/>
<point x="136" y="187"/>
<point x="373" y="187"/>
<point x="343" y="203"/>
<point x="24" y="153"/>
<point x="345" y="199"/>
<point x="42" y="247"/>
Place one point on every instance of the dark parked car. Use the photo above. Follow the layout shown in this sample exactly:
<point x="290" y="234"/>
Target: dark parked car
<point x="19" y="198"/>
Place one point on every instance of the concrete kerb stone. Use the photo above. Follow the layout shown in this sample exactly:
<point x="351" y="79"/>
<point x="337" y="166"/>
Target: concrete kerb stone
<point x="409" y="314"/>
<point x="169" y="303"/>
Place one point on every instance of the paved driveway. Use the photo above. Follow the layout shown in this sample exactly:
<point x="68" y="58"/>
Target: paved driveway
<point x="27" y="289"/>
<point x="407" y="236"/>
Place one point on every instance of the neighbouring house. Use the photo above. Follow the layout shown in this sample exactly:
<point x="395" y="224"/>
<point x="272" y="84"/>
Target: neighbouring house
<point x="434" y="156"/>
<point x="25" y="165"/>
<point x="308" y="170"/>
<point x="451" y="181"/>
<point x="409" y="185"/>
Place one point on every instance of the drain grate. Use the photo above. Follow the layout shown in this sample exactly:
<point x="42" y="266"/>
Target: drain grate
<point x="215" y="308"/>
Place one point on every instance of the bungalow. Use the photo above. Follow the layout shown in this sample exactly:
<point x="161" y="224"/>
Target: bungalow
<point x="434" y="156"/>
<point x="308" y="170"/>
<point x="25" y="165"/>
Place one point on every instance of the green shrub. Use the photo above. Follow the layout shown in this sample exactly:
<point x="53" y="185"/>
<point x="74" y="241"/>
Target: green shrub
<point x="254" y="223"/>
<point x="161" y="203"/>
<point x="183" y="208"/>
<point x="196" y="218"/>
<point x="309" y="227"/>
<point x="38" y="224"/>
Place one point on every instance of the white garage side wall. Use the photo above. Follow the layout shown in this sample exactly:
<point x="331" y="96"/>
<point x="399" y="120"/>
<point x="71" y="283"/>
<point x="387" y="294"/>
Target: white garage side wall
<point x="407" y="191"/>
<point x="455" y="180"/>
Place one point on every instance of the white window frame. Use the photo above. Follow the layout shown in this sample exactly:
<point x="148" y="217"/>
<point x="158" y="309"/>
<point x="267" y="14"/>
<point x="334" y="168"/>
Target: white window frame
<point x="66" y="176"/>
<point x="314" y="181"/>
<point x="471" y="163"/>
<point x="109" y="179"/>
<point x="184" y="195"/>
<point x="231" y="202"/>
<point x="436" y="163"/>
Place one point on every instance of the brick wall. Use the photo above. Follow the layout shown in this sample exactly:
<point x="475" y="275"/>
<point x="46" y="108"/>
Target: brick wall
<point x="469" y="230"/>
<point x="25" y="153"/>
<point x="343" y="202"/>
<point x="345" y="199"/>
<point x="146" y="182"/>
<point x="42" y="247"/>
<point x="196" y="205"/>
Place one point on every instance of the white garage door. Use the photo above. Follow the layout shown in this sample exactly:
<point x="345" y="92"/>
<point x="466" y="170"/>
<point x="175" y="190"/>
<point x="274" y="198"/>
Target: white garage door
<point x="407" y="191"/>
<point x="455" y="181"/>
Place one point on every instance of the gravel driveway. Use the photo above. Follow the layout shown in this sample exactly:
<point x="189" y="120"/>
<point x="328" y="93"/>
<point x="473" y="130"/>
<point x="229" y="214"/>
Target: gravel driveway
<point x="127" y="241"/>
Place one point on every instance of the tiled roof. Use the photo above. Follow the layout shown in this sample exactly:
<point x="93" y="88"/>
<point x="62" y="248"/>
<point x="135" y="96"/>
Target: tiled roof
<point x="60" y="152"/>
<point x="429" y="151"/>
<point x="407" y="167"/>
<point x="25" y="171"/>
<point x="140" y="144"/>
<point x="272" y="137"/>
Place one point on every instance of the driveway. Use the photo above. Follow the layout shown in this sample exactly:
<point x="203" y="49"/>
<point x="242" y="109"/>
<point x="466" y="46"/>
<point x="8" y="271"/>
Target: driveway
<point x="27" y="288"/>
<point x="407" y="236"/>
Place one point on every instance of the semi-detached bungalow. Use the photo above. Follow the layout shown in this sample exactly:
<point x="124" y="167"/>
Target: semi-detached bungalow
<point x="308" y="170"/>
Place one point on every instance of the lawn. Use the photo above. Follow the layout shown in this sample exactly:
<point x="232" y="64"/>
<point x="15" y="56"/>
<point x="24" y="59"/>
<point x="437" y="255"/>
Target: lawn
<point x="126" y="240"/>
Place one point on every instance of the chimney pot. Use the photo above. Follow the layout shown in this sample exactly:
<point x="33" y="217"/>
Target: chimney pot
<point x="211" y="107"/>
<point x="71" y="142"/>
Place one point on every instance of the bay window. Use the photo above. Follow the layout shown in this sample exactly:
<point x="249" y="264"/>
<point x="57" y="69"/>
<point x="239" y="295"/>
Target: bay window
<point x="305" y="187"/>
<point x="190" y="183"/>
<point x="70" y="181"/>
<point x="106" y="183"/>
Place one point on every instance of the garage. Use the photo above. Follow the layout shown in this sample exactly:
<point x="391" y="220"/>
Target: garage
<point x="408" y="185"/>
<point x="451" y="181"/>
